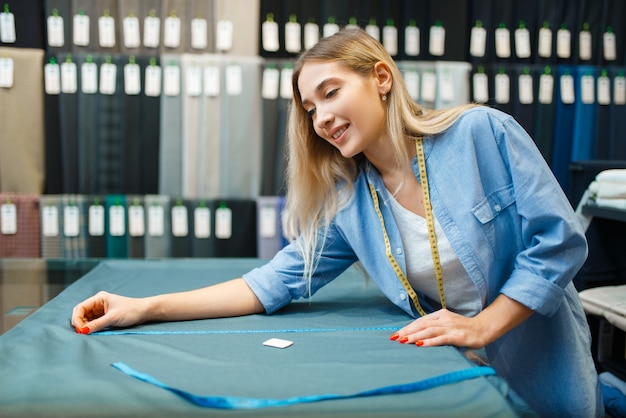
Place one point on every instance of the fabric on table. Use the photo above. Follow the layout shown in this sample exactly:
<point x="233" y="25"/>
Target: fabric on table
<point x="22" y="161"/>
<point x="357" y="356"/>
<point x="25" y="243"/>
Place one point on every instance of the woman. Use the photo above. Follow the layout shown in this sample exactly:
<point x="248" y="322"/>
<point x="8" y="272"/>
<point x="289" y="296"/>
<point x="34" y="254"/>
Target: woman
<point x="483" y="256"/>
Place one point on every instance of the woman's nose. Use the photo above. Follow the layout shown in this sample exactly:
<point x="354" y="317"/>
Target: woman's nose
<point x="324" y="117"/>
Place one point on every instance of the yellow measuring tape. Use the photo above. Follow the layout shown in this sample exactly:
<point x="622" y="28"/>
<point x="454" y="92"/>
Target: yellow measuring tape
<point x="421" y="161"/>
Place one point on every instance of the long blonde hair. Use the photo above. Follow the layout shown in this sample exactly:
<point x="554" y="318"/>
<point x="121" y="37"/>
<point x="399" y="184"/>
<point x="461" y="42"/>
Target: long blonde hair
<point x="319" y="179"/>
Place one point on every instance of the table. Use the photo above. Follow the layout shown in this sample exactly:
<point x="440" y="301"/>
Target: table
<point x="341" y="345"/>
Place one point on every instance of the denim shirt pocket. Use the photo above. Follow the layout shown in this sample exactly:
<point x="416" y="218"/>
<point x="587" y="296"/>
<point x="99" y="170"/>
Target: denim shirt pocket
<point x="494" y="204"/>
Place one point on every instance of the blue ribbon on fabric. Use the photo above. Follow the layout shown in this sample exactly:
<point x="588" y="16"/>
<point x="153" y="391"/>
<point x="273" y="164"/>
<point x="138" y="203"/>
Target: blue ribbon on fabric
<point x="239" y="331"/>
<point x="234" y="402"/>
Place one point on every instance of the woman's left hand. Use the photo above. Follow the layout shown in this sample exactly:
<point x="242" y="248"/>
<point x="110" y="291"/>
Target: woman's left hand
<point x="443" y="327"/>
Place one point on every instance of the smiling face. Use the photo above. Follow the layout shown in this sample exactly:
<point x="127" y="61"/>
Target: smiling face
<point x="345" y="107"/>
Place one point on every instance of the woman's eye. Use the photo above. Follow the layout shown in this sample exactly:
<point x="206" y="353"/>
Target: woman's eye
<point x="310" y="113"/>
<point x="331" y="94"/>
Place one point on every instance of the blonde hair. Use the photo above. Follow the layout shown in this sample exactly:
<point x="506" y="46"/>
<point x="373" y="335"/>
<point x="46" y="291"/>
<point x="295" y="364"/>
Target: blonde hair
<point x="319" y="179"/>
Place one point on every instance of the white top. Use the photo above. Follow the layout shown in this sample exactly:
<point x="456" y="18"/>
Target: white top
<point x="460" y="293"/>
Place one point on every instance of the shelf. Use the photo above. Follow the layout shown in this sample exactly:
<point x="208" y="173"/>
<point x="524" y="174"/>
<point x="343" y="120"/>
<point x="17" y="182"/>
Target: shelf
<point x="604" y="212"/>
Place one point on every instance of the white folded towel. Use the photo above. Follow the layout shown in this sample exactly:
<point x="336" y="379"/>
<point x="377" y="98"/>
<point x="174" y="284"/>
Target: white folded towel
<point x="615" y="175"/>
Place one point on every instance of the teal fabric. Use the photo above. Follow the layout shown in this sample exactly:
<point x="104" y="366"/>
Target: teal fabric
<point x="70" y="375"/>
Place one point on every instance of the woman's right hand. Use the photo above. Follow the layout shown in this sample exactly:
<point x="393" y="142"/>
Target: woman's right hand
<point x="107" y="310"/>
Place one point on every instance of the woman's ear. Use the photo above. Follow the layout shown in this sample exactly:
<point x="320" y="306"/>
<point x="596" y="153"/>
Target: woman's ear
<point x="383" y="77"/>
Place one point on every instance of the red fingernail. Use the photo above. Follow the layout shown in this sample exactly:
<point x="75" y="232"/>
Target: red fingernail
<point x="419" y="343"/>
<point x="394" y="337"/>
<point x="77" y="330"/>
<point x="84" y="330"/>
<point x="404" y="340"/>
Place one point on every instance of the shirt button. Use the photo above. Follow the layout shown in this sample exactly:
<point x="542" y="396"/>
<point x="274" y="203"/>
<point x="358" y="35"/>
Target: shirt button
<point x="398" y="251"/>
<point x="402" y="296"/>
<point x="497" y="208"/>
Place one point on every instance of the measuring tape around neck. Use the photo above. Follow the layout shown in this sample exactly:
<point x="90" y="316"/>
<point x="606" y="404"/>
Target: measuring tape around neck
<point x="421" y="161"/>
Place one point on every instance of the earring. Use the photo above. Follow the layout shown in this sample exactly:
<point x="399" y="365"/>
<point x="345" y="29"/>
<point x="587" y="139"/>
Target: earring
<point x="384" y="97"/>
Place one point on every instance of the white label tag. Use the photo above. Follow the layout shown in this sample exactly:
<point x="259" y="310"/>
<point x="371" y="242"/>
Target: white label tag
<point x="277" y="343"/>
<point x="268" y="221"/>
<point x="233" y="80"/>
<point x="108" y="78"/>
<point x="271" y="77"/>
<point x="437" y="43"/>
<point x="212" y="81"/>
<point x="171" y="32"/>
<point x="587" y="89"/>
<point x="269" y="36"/>
<point x="390" y="40"/>
<point x="151" y="31"/>
<point x="563" y="43"/>
<point x="608" y="46"/>
<point x="503" y="43"/>
<point x="223" y="223"/>
<point x="286" y="89"/>
<point x="525" y="87"/>
<point x="585" y="48"/>
<point x="544" y="50"/>
<point x="546" y="89"/>
<point x="567" y="89"/>
<point x="156" y="221"/>
<point x="619" y="90"/>
<point x="153" y="81"/>
<point x="7" y="27"/>
<point x="6" y="72"/>
<point x="136" y="221"/>
<point x="106" y="31"/>
<point x="56" y="31"/>
<point x="180" y="222"/>
<point x="522" y="43"/>
<point x="199" y="33"/>
<point x="69" y="78"/>
<point x="293" y="39"/>
<point x="446" y="87"/>
<point x="50" y="221"/>
<point x="480" y="88"/>
<point x="96" y="220"/>
<point x="193" y="81"/>
<point x="71" y="221"/>
<point x="81" y="30"/>
<point x="132" y="37"/>
<point x="52" y="78"/>
<point x="8" y="218"/>
<point x="117" y="221"/>
<point x="429" y="86"/>
<point x="503" y="88"/>
<point x="89" y="78"/>
<point x="412" y="41"/>
<point x="604" y="90"/>
<point x="330" y="29"/>
<point x="373" y="31"/>
<point x="132" y="79"/>
<point x="171" y="81"/>
<point x="412" y="82"/>
<point x="311" y="35"/>
<point x="202" y="222"/>
<point x="478" y="41"/>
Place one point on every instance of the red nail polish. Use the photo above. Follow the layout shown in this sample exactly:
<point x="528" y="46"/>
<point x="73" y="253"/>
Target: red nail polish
<point x="419" y="343"/>
<point x="77" y="330"/>
<point x="404" y="340"/>
<point x="394" y="336"/>
<point x="84" y="330"/>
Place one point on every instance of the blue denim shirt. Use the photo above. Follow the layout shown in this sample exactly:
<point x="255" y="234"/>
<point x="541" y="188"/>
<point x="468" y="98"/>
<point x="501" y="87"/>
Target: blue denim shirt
<point x="514" y="232"/>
